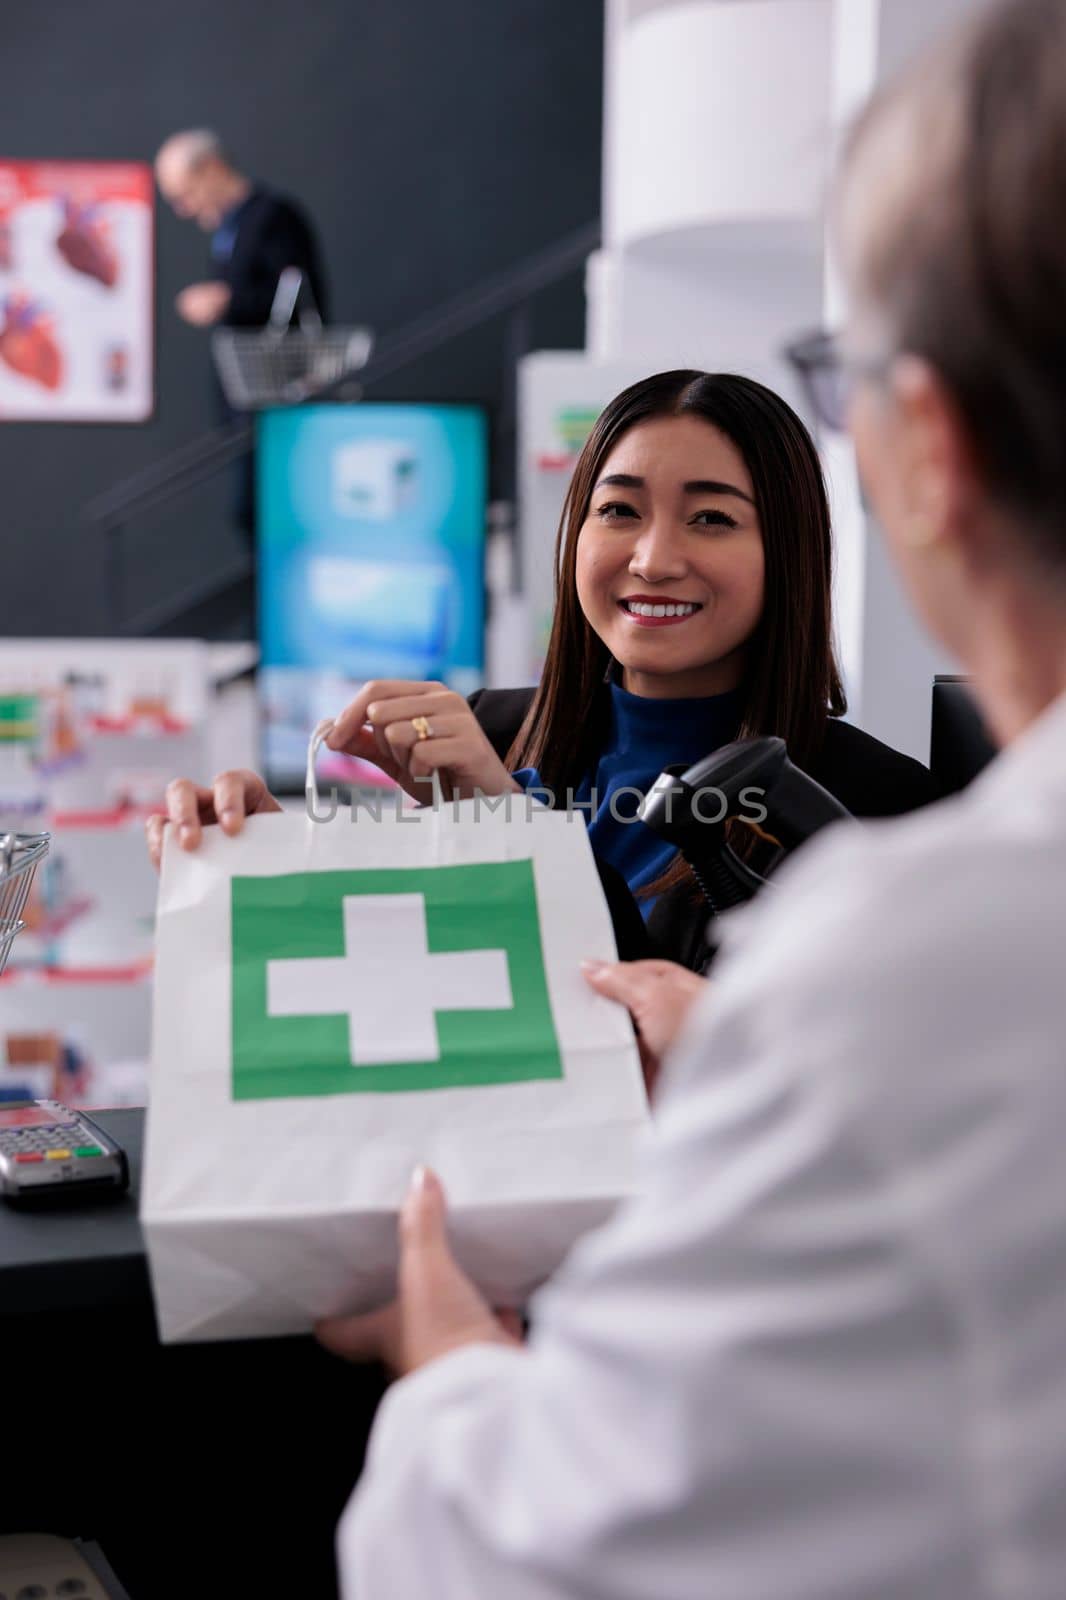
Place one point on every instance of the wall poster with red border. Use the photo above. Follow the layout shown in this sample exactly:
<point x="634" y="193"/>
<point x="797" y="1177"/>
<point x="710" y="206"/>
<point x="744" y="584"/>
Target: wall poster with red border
<point x="76" y="291"/>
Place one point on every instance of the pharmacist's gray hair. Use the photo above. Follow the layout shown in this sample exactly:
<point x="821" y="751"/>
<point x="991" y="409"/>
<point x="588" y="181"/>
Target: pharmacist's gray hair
<point x="951" y="207"/>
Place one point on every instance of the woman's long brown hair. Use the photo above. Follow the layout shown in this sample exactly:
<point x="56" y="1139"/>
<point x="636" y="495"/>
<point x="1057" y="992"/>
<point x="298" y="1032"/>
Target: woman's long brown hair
<point x="792" y="683"/>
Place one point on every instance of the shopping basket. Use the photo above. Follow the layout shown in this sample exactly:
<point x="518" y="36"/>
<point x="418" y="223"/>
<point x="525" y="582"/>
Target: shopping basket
<point x="20" y="855"/>
<point x="282" y="365"/>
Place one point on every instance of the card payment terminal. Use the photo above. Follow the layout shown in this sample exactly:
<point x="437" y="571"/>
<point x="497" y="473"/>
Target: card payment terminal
<point x="48" y="1152"/>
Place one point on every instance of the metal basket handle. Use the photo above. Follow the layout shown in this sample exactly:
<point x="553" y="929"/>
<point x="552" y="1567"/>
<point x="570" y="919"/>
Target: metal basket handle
<point x="20" y="854"/>
<point x="286" y="296"/>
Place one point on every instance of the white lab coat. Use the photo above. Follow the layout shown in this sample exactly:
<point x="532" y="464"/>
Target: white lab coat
<point x="823" y="1357"/>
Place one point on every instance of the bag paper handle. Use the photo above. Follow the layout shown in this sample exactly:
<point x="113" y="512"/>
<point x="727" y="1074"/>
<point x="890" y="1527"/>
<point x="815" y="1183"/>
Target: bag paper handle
<point x="322" y="732"/>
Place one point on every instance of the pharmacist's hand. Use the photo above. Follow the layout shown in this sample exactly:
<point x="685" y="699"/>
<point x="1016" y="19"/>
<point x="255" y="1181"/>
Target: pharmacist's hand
<point x="437" y="1309"/>
<point x="378" y="726"/>
<point x="232" y="797"/>
<point x="658" y="996"/>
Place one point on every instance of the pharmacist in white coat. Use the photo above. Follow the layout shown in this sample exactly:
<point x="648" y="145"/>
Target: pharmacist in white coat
<point x="823" y="1356"/>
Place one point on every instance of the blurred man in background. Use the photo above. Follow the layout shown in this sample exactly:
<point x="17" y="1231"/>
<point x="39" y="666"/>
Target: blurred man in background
<point x="255" y="234"/>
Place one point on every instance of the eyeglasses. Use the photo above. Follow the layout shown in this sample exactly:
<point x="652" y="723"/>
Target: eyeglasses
<point x="828" y="376"/>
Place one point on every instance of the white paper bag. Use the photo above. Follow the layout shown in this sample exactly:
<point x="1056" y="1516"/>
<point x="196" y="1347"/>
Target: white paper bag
<point x="338" y="1002"/>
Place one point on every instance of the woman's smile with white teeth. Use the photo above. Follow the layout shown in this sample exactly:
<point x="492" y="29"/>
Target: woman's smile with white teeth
<point x="648" y="608"/>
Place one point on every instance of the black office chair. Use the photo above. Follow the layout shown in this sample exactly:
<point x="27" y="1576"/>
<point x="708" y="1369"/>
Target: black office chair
<point x="960" y="744"/>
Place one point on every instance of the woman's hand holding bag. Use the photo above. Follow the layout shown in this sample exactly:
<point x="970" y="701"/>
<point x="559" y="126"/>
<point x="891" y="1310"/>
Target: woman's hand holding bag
<point x="411" y="730"/>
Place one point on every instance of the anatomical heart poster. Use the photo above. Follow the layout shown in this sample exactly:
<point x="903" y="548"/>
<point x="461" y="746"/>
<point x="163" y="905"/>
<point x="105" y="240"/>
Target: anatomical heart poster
<point x="76" y="291"/>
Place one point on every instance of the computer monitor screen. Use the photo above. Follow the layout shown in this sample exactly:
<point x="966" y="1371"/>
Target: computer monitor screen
<point x="371" y="528"/>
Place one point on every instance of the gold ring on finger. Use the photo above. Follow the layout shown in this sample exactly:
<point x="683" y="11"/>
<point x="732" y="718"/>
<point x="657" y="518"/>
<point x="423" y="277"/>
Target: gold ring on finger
<point x="422" y="728"/>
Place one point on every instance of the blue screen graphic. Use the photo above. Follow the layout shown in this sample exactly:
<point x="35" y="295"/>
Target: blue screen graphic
<point x="371" y="526"/>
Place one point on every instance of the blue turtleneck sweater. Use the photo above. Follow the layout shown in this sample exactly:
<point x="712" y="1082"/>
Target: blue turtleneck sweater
<point x="644" y="736"/>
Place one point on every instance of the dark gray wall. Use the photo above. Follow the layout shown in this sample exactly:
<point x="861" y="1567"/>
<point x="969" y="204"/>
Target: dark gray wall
<point x="433" y="143"/>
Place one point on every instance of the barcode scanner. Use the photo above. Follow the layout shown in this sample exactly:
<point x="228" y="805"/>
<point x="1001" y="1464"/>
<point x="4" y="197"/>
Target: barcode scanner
<point x="752" y="782"/>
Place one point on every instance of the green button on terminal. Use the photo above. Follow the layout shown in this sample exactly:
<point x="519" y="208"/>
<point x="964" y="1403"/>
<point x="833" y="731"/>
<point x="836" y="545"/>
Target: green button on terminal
<point x="88" y="1150"/>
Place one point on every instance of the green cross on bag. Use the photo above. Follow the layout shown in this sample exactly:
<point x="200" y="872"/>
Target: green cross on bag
<point x="403" y="978"/>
